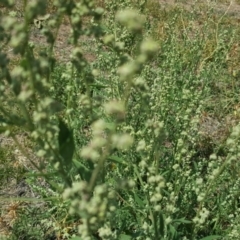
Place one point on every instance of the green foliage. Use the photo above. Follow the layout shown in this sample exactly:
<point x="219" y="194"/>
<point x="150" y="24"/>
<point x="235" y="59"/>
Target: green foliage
<point x="135" y="144"/>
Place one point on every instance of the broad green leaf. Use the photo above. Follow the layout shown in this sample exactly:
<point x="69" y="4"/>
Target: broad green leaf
<point x="66" y="151"/>
<point x="66" y="144"/>
<point x="195" y="166"/>
<point x="211" y="237"/>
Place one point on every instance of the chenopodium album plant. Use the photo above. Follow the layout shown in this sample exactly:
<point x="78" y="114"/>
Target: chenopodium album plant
<point x="97" y="206"/>
<point x="51" y="122"/>
<point x="104" y="130"/>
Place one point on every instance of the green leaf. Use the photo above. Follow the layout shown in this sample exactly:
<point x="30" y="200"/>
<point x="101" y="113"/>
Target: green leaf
<point x="211" y="237"/>
<point x="182" y="220"/>
<point x="116" y="159"/>
<point x="172" y="232"/>
<point x="66" y="144"/>
<point x="161" y="224"/>
<point x="125" y="237"/>
<point x="138" y="200"/>
<point x="84" y="172"/>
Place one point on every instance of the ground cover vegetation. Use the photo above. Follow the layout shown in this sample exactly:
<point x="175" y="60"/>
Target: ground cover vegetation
<point x="133" y="134"/>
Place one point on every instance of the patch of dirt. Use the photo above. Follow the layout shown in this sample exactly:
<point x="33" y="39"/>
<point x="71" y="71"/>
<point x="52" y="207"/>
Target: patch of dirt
<point x="62" y="48"/>
<point x="231" y="8"/>
<point x="17" y="193"/>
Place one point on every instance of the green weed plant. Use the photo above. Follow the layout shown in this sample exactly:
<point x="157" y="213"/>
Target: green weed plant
<point x="134" y="144"/>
